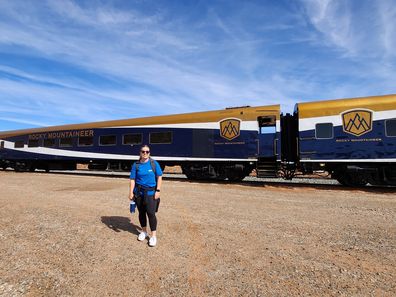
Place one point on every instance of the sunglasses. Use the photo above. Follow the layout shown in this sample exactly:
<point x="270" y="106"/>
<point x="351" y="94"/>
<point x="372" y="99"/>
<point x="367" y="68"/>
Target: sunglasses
<point x="145" y="152"/>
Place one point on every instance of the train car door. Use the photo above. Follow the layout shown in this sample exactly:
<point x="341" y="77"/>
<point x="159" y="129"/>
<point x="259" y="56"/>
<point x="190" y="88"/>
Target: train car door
<point x="267" y="136"/>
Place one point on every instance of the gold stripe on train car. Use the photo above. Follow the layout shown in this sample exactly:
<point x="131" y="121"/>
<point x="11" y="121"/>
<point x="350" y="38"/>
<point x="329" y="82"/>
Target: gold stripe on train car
<point x="244" y="114"/>
<point x="335" y="107"/>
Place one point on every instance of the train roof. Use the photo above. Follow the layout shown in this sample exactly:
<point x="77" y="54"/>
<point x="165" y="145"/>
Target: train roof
<point x="334" y="107"/>
<point x="243" y="113"/>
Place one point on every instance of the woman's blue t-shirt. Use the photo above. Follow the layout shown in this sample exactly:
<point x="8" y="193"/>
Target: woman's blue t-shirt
<point x="145" y="175"/>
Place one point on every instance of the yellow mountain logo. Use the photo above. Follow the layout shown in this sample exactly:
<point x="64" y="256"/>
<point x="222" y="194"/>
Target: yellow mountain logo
<point x="357" y="122"/>
<point x="230" y="128"/>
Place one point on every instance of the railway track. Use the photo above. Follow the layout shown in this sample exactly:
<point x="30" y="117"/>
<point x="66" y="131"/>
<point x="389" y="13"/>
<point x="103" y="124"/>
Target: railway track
<point x="297" y="182"/>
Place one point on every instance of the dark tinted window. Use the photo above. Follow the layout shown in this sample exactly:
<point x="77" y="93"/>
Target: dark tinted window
<point x="49" y="142"/>
<point x="390" y="127"/>
<point x="33" y="142"/>
<point x="108" y="140"/>
<point x="324" y="131"/>
<point x="267" y="121"/>
<point x="85" y="141"/>
<point x="2" y="144"/>
<point x="19" y="144"/>
<point x="66" y="142"/>
<point x="132" y="139"/>
<point x="161" y="137"/>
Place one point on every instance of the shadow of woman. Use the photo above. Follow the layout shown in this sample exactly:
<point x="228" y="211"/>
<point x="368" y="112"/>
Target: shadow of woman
<point x="119" y="224"/>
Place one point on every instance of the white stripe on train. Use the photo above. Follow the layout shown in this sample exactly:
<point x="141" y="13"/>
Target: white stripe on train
<point x="89" y="155"/>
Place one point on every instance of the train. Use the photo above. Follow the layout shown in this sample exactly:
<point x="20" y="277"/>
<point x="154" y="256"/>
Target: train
<point x="352" y="139"/>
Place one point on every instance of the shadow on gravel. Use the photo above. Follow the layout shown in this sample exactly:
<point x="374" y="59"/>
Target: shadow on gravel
<point x="119" y="224"/>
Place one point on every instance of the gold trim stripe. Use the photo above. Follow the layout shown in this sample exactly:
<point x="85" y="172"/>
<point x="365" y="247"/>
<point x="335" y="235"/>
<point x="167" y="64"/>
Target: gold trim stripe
<point x="243" y="113"/>
<point x="335" y="107"/>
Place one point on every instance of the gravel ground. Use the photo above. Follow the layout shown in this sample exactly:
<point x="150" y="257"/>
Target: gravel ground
<point x="72" y="235"/>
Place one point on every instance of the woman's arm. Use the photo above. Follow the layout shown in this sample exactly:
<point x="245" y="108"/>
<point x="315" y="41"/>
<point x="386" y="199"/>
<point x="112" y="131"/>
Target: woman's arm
<point x="131" y="187"/>
<point x="159" y="183"/>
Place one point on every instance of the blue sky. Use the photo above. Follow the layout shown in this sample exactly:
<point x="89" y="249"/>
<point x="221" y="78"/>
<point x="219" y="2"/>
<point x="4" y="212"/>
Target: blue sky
<point x="79" y="61"/>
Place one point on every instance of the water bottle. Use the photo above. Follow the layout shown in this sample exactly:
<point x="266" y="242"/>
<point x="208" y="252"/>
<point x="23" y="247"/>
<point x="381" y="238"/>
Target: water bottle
<point x="132" y="206"/>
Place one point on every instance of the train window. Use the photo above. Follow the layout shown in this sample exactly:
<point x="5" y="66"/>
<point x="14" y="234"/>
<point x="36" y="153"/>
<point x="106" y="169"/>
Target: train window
<point x="49" y="142"/>
<point x="132" y="138"/>
<point x="268" y="130"/>
<point x="324" y="131"/>
<point x="2" y="144"/>
<point x="66" y="142"/>
<point x="85" y="141"/>
<point x="267" y="121"/>
<point x="33" y="143"/>
<point x="161" y="137"/>
<point x="390" y="128"/>
<point x="19" y="144"/>
<point x="108" y="140"/>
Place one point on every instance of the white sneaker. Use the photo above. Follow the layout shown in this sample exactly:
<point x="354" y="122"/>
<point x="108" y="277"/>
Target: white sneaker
<point x="142" y="236"/>
<point x="153" y="241"/>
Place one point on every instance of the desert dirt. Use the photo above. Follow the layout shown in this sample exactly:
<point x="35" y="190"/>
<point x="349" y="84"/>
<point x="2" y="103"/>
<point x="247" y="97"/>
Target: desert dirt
<point x="70" y="235"/>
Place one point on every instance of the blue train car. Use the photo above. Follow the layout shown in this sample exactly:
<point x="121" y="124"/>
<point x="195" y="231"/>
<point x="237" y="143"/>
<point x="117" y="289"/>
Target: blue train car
<point x="215" y="144"/>
<point x="353" y="139"/>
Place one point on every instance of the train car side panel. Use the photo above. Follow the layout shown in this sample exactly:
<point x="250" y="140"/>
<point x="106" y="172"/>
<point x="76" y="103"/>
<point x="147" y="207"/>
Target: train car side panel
<point x="351" y="138"/>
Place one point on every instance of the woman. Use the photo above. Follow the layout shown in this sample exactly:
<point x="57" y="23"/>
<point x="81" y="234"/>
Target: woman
<point x="145" y="187"/>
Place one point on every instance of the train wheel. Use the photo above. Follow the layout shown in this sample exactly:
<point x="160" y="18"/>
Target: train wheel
<point x="352" y="179"/>
<point x="20" y="167"/>
<point x="190" y="176"/>
<point x="188" y="173"/>
<point x="235" y="176"/>
<point x="377" y="179"/>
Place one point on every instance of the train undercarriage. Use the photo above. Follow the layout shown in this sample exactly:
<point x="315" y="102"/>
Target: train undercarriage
<point x="193" y="170"/>
<point x="361" y="175"/>
<point x="357" y="174"/>
<point x="354" y="175"/>
<point x="29" y="165"/>
<point x="217" y="171"/>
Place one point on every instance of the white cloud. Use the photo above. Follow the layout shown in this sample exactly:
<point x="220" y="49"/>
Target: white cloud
<point x="159" y="63"/>
<point x="21" y="120"/>
<point x="387" y="16"/>
<point x="156" y="69"/>
<point x="361" y="30"/>
<point x="333" y="19"/>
